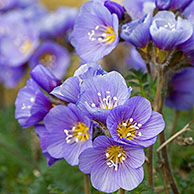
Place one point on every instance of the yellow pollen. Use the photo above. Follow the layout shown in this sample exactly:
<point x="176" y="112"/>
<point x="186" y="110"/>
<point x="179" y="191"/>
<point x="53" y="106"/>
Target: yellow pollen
<point x="106" y="107"/>
<point x="26" y="46"/>
<point x="80" y="132"/>
<point x="47" y="59"/>
<point x="53" y="105"/>
<point x="115" y="154"/>
<point x="126" y="130"/>
<point x="110" y="35"/>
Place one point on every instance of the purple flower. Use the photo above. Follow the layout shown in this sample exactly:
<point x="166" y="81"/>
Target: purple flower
<point x="17" y="45"/>
<point x="188" y="46"/>
<point x="102" y="93"/>
<point x="10" y="76"/>
<point x="135" y="123"/>
<point x="55" y="24"/>
<point x="135" y="60"/>
<point x="95" y="32"/>
<point x="138" y="8"/>
<point x="180" y="4"/>
<point x="55" y="57"/>
<point x="31" y="105"/>
<point x="112" y="165"/>
<point x="69" y="133"/>
<point x="163" y="4"/>
<point x="43" y="134"/>
<point x="114" y="7"/>
<point x="189" y="12"/>
<point x="44" y="78"/>
<point x="70" y="89"/>
<point x="88" y="70"/>
<point x="167" y="32"/>
<point x="137" y="32"/>
<point x="180" y="93"/>
<point x="7" y="4"/>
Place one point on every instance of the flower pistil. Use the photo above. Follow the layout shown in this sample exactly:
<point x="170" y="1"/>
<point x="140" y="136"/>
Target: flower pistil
<point x="129" y="129"/>
<point x="115" y="155"/>
<point x="79" y="132"/>
<point x="102" y="34"/>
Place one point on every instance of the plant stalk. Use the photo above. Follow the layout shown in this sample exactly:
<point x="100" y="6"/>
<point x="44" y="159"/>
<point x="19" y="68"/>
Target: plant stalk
<point x="150" y="166"/>
<point x="86" y="184"/>
<point x="158" y="108"/>
<point x="175" y="120"/>
<point x="122" y="191"/>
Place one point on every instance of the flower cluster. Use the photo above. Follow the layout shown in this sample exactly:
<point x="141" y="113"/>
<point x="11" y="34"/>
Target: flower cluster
<point x="90" y="119"/>
<point x="90" y="103"/>
<point x="30" y="41"/>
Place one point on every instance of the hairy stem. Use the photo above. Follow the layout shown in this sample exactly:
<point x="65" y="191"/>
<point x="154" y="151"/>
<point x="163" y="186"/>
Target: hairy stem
<point x="158" y="107"/>
<point x="122" y="191"/>
<point x="157" y="103"/>
<point x="163" y="173"/>
<point x="167" y="165"/>
<point x="86" y="184"/>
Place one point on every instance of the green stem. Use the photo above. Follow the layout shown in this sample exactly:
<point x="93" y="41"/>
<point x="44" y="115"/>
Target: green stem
<point x="86" y="184"/>
<point x="157" y="102"/>
<point x="150" y="166"/>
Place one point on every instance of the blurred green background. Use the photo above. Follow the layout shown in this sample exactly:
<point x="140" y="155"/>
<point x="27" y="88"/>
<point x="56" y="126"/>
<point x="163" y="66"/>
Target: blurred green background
<point x="23" y="169"/>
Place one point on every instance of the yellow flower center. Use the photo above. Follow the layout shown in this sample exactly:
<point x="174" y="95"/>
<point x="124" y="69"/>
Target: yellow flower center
<point x="128" y="130"/>
<point x="47" y="59"/>
<point x="115" y="155"/>
<point x="110" y="35"/>
<point x="25" y="47"/>
<point x="102" y="34"/>
<point x="79" y="132"/>
<point x="108" y="102"/>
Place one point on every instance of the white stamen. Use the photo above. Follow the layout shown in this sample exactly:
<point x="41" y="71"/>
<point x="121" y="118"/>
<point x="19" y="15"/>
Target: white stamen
<point x="99" y="94"/>
<point x="68" y="141"/>
<point x="119" y="155"/>
<point x="124" y="124"/>
<point x="108" y="92"/>
<point x="32" y="99"/>
<point x="131" y="120"/>
<point x="107" y="155"/>
<point x="66" y="132"/>
<point x="104" y="34"/>
<point x="115" y="98"/>
<point x="123" y="158"/>
<point x="139" y="125"/>
<point x="97" y="27"/>
<point x="140" y="134"/>
<point x="93" y="105"/>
